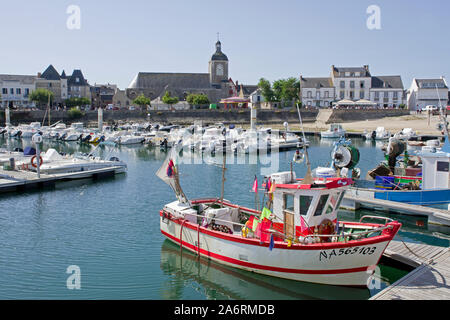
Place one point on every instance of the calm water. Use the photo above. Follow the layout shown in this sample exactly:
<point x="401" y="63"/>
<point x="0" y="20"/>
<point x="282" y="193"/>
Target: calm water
<point x="110" y="229"/>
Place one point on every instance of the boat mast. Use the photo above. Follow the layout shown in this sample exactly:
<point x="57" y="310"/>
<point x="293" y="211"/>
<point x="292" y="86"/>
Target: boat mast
<point x="223" y="175"/>
<point x="308" y="177"/>
<point x="441" y="115"/>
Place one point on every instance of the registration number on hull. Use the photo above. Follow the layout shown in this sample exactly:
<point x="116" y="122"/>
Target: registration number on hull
<point x="328" y="254"/>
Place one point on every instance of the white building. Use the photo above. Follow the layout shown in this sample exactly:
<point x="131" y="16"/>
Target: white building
<point x="352" y="83"/>
<point x="424" y="92"/>
<point x="16" y="89"/>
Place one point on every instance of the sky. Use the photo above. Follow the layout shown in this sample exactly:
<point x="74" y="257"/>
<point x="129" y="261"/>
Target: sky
<point x="271" y="39"/>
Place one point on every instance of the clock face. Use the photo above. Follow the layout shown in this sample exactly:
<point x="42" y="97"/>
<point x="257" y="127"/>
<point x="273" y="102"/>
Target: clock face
<point x="219" y="70"/>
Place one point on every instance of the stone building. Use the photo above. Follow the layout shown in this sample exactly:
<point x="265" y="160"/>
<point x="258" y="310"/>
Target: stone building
<point x="15" y="90"/>
<point x="352" y="84"/>
<point x="425" y="92"/>
<point x="51" y="80"/>
<point x="78" y="86"/>
<point x="214" y="84"/>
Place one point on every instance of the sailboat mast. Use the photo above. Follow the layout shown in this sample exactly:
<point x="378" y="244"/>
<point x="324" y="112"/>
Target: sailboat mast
<point x="223" y="179"/>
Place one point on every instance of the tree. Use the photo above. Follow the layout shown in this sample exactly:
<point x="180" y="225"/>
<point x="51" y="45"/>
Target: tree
<point x="266" y="90"/>
<point x="168" y="99"/>
<point x="286" y="90"/>
<point x="76" y="101"/>
<point x="142" y="101"/>
<point x="197" y="99"/>
<point x="41" y="96"/>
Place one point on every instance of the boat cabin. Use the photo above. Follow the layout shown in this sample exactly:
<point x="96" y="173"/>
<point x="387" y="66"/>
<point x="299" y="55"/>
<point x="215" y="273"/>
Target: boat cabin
<point x="315" y="203"/>
<point x="435" y="170"/>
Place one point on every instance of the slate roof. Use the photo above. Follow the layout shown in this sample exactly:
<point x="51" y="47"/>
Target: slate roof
<point x="219" y="55"/>
<point x="73" y="79"/>
<point x="174" y="80"/>
<point x="387" y="82"/>
<point x="24" y="79"/>
<point x="431" y="83"/>
<point x="51" y="74"/>
<point x="316" y="83"/>
<point x="247" y="89"/>
<point x="340" y="71"/>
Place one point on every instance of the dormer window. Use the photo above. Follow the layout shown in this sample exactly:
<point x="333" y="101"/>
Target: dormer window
<point x="77" y="79"/>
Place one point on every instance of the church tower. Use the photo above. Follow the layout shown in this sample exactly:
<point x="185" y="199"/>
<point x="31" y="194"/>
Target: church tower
<point x="218" y="67"/>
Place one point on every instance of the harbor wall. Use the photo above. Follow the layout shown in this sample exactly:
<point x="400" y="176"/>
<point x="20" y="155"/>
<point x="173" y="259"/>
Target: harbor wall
<point x="350" y="115"/>
<point x="235" y="116"/>
<point x="175" y="117"/>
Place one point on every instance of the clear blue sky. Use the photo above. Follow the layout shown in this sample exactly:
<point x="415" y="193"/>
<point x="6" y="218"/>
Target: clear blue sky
<point x="271" y="39"/>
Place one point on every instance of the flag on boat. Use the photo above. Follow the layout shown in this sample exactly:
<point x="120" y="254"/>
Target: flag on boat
<point x="255" y="185"/>
<point x="268" y="185"/>
<point x="303" y="226"/>
<point x="265" y="214"/>
<point x="170" y="169"/>
<point x="272" y="242"/>
<point x="168" y="173"/>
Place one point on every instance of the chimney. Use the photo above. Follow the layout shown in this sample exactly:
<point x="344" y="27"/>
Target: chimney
<point x="39" y="74"/>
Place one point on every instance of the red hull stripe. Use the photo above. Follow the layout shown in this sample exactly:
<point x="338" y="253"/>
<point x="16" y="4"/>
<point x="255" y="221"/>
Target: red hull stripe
<point x="259" y="266"/>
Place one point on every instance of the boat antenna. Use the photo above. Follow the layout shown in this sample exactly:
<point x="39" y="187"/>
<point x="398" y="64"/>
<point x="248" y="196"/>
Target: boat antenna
<point x="441" y="115"/>
<point x="308" y="177"/>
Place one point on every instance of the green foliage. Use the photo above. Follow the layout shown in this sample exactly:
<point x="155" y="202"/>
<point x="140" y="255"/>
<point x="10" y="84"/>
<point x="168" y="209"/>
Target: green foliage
<point x="40" y="96"/>
<point x="284" y="90"/>
<point x="266" y="90"/>
<point x="197" y="99"/>
<point x="142" y="101"/>
<point x="74" y="113"/>
<point x="75" y="102"/>
<point x="402" y="106"/>
<point x="168" y="99"/>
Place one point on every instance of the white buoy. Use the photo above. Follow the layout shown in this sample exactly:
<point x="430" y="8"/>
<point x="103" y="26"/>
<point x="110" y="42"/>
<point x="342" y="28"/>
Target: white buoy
<point x="100" y="119"/>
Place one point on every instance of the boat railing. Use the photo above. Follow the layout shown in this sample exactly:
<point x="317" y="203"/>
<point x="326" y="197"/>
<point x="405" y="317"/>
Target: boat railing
<point x="334" y="237"/>
<point x="386" y="219"/>
<point x="346" y="236"/>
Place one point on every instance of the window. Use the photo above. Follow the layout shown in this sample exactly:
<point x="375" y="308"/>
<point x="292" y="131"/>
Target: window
<point x="352" y="94"/>
<point x="395" y="95"/>
<point x="442" y="166"/>
<point x="357" y="74"/>
<point x="309" y="103"/>
<point x="377" y="95"/>
<point x="342" y="84"/>
<point x="322" y="202"/>
<point x="305" y="202"/>
<point x="309" y="94"/>
<point x="362" y="84"/>
<point x="317" y="94"/>
<point x="11" y="91"/>
<point x="352" y="84"/>
<point x="18" y="91"/>
<point x="77" y="79"/>
<point x="342" y="94"/>
<point x="4" y="91"/>
<point x="288" y="202"/>
<point x="361" y="94"/>
<point x="327" y="94"/>
<point x="347" y="74"/>
<point x="27" y="91"/>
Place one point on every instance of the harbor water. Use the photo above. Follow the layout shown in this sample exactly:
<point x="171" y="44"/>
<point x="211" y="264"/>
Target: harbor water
<point x="109" y="230"/>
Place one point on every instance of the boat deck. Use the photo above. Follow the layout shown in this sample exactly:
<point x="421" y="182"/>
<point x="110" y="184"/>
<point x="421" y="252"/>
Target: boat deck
<point x="430" y="279"/>
<point x="17" y="180"/>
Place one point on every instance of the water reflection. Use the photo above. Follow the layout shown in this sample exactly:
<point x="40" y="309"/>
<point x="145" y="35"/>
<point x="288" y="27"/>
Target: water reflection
<point x="222" y="282"/>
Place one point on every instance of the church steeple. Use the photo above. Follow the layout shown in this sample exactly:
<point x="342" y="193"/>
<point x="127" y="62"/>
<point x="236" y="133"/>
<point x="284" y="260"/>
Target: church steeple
<point x="218" y="66"/>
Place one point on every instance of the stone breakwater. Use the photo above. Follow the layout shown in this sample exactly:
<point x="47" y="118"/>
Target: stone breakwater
<point x="184" y="117"/>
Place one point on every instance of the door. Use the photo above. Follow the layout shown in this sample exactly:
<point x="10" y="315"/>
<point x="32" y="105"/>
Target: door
<point x="289" y="224"/>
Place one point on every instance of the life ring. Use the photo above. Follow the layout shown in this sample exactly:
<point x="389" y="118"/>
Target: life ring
<point x="35" y="164"/>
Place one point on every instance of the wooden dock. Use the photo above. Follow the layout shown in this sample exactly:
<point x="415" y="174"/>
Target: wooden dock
<point x="18" y="181"/>
<point x="430" y="278"/>
<point x="435" y="216"/>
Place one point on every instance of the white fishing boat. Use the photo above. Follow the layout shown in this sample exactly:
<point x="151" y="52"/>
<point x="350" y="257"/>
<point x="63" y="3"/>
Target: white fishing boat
<point x="405" y="134"/>
<point x="334" y="132"/>
<point x="301" y="239"/>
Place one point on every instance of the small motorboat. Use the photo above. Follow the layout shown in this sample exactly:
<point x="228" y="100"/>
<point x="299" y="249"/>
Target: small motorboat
<point x="334" y="132"/>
